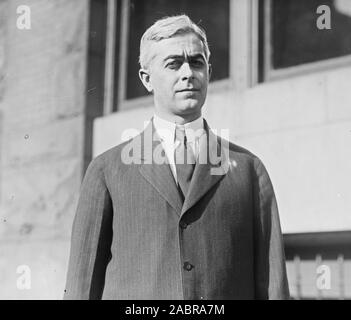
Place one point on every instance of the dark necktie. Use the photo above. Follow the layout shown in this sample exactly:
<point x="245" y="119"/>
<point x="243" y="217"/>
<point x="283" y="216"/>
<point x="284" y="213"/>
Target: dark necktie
<point x="184" y="161"/>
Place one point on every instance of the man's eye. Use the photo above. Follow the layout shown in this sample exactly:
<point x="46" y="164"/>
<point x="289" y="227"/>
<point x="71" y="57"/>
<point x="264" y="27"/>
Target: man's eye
<point x="197" y="63"/>
<point x="173" y="64"/>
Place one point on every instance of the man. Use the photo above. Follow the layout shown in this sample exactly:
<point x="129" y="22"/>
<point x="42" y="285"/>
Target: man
<point x="197" y="226"/>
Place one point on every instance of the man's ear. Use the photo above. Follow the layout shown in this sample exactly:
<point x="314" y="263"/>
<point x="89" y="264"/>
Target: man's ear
<point x="144" y="76"/>
<point x="209" y="71"/>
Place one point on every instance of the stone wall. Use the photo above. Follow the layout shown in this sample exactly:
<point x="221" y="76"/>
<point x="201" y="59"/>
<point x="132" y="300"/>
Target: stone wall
<point x="42" y="98"/>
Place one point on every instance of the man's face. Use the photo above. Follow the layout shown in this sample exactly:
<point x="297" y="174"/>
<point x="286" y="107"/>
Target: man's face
<point x="178" y="76"/>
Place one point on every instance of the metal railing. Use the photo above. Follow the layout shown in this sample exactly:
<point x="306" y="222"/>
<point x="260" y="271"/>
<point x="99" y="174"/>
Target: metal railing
<point x="319" y="265"/>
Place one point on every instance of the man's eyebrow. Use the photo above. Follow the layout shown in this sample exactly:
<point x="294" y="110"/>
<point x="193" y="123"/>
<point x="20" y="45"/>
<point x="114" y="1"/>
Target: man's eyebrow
<point x="197" y="56"/>
<point x="191" y="57"/>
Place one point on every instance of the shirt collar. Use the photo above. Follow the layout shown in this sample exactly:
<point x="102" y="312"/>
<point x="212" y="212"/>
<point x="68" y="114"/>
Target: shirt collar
<point x="166" y="129"/>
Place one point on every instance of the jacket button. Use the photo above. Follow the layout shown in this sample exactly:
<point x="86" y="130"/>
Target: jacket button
<point x="183" y="224"/>
<point x="188" y="266"/>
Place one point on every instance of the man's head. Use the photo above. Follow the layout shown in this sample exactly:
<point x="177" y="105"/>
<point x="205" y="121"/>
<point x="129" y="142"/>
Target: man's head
<point x="174" y="64"/>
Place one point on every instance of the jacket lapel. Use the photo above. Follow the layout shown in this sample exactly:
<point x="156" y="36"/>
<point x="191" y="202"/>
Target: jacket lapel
<point x="210" y="168"/>
<point x="158" y="174"/>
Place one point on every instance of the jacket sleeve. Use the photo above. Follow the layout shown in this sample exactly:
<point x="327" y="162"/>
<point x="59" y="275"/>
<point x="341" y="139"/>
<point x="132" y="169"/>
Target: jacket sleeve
<point x="91" y="237"/>
<point x="270" y="269"/>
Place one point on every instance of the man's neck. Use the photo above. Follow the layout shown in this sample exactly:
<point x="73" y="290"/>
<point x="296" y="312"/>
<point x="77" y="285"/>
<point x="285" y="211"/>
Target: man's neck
<point x="178" y="119"/>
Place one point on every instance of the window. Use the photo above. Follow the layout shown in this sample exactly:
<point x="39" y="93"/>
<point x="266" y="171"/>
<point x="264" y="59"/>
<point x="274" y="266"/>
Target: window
<point x="292" y="39"/>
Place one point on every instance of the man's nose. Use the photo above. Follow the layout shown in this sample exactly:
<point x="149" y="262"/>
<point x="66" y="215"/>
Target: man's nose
<point x="186" y="71"/>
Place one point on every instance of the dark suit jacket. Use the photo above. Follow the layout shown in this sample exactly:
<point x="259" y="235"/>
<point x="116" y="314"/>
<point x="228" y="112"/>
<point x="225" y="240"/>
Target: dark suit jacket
<point x="133" y="238"/>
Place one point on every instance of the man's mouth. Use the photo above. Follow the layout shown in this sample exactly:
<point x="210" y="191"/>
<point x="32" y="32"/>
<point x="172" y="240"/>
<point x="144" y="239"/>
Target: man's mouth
<point x="188" y="90"/>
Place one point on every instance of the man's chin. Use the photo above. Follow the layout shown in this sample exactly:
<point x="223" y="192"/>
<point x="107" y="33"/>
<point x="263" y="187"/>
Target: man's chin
<point x="189" y="107"/>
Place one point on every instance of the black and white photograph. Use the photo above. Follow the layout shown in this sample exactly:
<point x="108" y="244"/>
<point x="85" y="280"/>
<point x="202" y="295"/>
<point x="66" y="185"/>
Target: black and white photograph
<point x="162" y="150"/>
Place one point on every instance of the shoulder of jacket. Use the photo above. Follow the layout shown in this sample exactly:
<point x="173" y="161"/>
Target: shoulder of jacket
<point x="236" y="150"/>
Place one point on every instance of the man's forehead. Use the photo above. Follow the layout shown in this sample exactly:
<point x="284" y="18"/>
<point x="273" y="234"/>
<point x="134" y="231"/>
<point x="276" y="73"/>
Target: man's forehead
<point x="180" y="45"/>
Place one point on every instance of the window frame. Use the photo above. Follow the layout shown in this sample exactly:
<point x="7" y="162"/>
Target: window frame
<point x="271" y="74"/>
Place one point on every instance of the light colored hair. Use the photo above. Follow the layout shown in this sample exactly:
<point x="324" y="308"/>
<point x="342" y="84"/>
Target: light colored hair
<point x="166" y="28"/>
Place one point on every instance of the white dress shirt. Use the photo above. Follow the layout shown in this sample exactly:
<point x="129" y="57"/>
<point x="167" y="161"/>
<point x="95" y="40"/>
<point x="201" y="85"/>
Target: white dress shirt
<point x="166" y="131"/>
